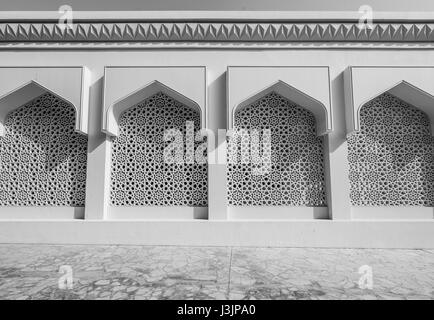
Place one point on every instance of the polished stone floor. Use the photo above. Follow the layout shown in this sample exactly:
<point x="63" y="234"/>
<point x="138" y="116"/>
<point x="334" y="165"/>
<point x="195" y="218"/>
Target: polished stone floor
<point x="144" y="272"/>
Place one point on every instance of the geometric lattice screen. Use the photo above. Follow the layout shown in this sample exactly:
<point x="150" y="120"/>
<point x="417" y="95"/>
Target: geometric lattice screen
<point x="392" y="156"/>
<point x="43" y="159"/>
<point x="296" y="176"/>
<point x="139" y="175"/>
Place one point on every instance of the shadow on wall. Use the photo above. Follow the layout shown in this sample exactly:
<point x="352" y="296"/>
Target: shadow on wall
<point x="338" y="136"/>
<point x="96" y="136"/>
<point x="43" y="158"/>
<point x="392" y="156"/>
<point x="140" y="174"/>
<point x="296" y="175"/>
<point x="217" y="112"/>
<point x="45" y="125"/>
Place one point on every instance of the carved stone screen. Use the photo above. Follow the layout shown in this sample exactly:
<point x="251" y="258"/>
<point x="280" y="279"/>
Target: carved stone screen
<point x="43" y="159"/>
<point x="139" y="174"/>
<point x="392" y="156"/>
<point x="296" y="175"/>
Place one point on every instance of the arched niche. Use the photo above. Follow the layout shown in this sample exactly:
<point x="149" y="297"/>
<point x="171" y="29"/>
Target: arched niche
<point x="408" y="93"/>
<point x="411" y="84"/>
<point x="285" y="177"/>
<point x="142" y="181"/>
<point x="26" y="93"/>
<point x="114" y="111"/>
<point x="43" y="159"/>
<point x="391" y="158"/>
<point x="318" y="109"/>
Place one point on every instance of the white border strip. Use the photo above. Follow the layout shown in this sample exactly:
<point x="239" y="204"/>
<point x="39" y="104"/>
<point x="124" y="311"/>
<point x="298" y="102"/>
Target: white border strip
<point x="217" y="15"/>
<point x="306" y="233"/>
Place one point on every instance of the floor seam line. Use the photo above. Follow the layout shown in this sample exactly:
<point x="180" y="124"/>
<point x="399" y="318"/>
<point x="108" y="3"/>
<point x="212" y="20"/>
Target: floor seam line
<point x="230" y="274"/>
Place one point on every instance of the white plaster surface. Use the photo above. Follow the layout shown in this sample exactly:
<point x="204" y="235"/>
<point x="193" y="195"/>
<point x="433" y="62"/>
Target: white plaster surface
<point x="378" y="233"/>
<point x="69" y="83"/>
<point x="411" y="84"/>
<point x="309" y="87"/>
<point x="122" y="83"/>
<point x="292" y="233"/>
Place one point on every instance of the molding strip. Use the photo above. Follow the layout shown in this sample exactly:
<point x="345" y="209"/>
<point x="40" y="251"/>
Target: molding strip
<point x="212" y="32"/>
<point x="209" y="29"/>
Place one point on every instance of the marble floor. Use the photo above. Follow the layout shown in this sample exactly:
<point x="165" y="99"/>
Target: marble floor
<point x="145" y="272"/>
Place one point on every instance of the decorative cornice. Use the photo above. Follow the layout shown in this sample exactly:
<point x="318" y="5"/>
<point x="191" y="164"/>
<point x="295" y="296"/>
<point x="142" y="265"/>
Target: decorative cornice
<point x="215" y="32"/>
<point x="202" y="30"/>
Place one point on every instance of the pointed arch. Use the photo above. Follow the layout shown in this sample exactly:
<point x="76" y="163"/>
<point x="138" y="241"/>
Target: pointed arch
<point x="24" y="94"/>
<point x="318" y="109"/>
<point x="390" y="156"/>
<point x="110" y="122"/>
<point x="408" y="93"/>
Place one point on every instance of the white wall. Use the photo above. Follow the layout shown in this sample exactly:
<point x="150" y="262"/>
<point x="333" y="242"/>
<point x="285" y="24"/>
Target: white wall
<point x="216" y="62"/>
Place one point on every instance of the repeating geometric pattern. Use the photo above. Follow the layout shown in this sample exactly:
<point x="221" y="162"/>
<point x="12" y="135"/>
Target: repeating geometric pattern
<point x="392" y="156"/>
<point x="197" y="31"/>
<point x="43" y="159"/>
<point x="296" y="176"/>
<point x="139" y="174"/>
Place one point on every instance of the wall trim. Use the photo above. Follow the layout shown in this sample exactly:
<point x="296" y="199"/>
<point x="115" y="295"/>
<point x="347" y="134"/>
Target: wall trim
<point x="244" y="28"/>
<point x="156" y="212"/>
<point x="40" y="212"/>
<point x="267" y="213"/>
<point x="304" y="233"/>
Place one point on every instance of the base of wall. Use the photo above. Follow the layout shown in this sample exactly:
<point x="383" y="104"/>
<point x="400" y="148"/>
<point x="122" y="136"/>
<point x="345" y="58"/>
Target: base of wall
<point x="411" y="213"/>
<point x="307" y="233"/>
<point x="277" y="213"/>
<point x="41" y="213"/>
<point x="160" y="213"/>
